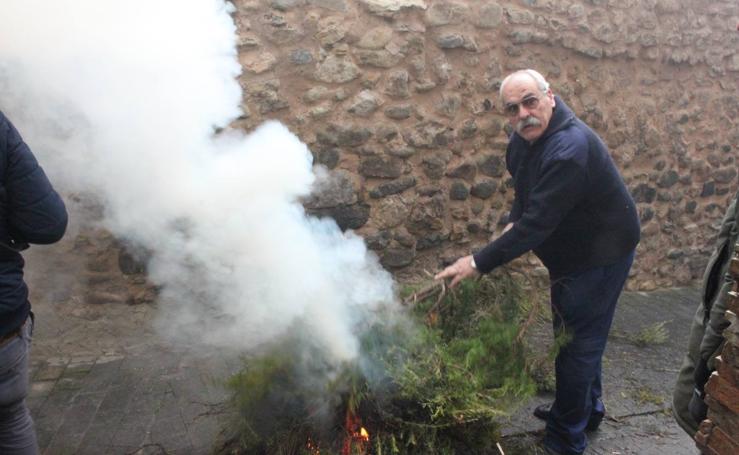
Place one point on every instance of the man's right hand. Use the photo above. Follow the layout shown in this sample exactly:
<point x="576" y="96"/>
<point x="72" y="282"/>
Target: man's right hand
<point x="458" y="271"/>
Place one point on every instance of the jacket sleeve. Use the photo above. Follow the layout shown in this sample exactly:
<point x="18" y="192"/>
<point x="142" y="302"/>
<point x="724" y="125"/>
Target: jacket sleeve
<point x="561" y="185"/>
<point x="512" y="165"/>
<point x="33" y="211"/>
<point x="716" y="304"/>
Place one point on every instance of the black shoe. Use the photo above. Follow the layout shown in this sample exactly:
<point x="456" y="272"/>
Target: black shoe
<point x="542" y="412"/>
<point x="594" y="422"/>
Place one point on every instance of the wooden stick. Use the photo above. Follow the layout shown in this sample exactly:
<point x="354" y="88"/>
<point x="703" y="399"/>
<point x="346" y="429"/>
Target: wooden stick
<point x="424" y="293"/>
<point x="436" y="305"/>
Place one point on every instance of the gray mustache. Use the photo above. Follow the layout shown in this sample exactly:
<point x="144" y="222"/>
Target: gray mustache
<point x="528" y="121"/>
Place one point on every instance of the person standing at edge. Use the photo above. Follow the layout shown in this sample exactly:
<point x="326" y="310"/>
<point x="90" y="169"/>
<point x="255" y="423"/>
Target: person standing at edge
<point x="30" y="212"/>
<point x="572" y="208"/>
<point x="706" y="338"/>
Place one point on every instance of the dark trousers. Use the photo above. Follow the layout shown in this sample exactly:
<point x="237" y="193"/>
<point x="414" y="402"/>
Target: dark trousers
<point x="583" y="305"/>
<point x="17" y="434"/>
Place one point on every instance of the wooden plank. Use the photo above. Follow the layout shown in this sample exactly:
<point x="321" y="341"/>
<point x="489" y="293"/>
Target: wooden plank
<point x="731" y="333"/>
<point x="723" y="392"/>
<point x="734" y="267"/>
<point x="702" y="436"/>
<point x="725" y="369"/>
<point x="732" y="302"/>
<point x="721" y="443"/>
<point x="723" y="418"/>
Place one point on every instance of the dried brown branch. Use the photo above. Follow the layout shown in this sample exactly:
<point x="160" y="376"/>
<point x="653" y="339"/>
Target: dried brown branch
<point x="425" y="292"/>
<point x="432" y="312"/>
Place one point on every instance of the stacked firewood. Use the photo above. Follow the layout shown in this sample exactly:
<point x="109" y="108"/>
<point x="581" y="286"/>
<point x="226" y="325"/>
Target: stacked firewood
<point x="719" y="433"/>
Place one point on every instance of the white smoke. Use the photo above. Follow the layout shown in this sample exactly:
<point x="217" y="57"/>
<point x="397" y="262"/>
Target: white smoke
<point x="120" y="99"/>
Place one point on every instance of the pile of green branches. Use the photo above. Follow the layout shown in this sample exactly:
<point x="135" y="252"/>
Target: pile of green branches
<point x="439" y="384"/>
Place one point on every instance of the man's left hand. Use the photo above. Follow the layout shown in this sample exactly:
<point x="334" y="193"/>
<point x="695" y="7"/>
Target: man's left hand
<point x="458" y="271"/>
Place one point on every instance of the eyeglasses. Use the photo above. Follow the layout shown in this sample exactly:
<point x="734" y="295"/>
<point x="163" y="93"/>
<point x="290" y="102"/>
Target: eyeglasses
<point x="531" y="102"/>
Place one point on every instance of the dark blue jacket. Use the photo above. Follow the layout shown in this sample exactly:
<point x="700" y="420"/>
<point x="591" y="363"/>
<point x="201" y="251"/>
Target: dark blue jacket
<point x="30" y="212"/>
<point x="571" y="206"/>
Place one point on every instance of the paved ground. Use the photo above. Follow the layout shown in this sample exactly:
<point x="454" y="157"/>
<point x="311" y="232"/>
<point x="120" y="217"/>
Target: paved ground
<point x="104" y="383"/>
<point x="637" y="381"/>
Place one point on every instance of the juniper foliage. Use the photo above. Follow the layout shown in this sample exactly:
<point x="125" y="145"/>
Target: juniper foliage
<point x="438" y="386"/>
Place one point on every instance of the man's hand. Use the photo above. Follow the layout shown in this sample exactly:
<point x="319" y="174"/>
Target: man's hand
<point x="458" y="271"/>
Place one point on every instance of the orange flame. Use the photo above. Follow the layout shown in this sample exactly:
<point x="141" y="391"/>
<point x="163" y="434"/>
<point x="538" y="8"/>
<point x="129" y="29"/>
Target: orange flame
<point x="312" y="447"/>
<point x="357" y="437"/>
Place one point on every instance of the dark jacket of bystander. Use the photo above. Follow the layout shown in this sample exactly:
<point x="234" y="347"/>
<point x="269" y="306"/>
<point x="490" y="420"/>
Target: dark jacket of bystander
<point x="30" y="212"/>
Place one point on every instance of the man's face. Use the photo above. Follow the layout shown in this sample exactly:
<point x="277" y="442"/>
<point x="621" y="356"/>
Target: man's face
<point x="527" y="108"/>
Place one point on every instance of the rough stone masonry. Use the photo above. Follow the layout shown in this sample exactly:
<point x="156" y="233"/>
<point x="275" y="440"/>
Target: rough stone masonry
<point x="398" y="98"/>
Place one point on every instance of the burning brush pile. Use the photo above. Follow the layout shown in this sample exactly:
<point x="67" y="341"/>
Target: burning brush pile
<point x="435" y="381"/>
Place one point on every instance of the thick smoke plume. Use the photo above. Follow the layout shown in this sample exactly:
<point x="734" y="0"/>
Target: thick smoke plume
<point x="121" y="100"/>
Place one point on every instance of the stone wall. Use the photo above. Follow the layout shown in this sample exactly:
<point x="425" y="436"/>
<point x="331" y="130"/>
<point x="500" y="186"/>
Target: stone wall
<point x="398" y="99"/>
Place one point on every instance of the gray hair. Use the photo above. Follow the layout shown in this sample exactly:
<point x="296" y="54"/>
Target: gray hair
<point x="540" y="81"/>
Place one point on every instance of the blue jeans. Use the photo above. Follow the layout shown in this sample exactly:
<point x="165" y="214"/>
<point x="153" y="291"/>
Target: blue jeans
<point x="583" y="305"/>
<point x="17" y="433"/>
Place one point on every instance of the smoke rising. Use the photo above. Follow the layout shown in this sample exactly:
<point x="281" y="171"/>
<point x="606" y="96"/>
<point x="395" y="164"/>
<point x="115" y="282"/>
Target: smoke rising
<point x="121" y="100"/>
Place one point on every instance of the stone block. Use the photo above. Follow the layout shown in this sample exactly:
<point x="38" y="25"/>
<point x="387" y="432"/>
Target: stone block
<point x="365" y="103"/>
<point x="381" y="167"/>
<point x="388" y="8"/>
<point x="450" y="41"/>
<point x="334" y="5"/>
<point x="491" y="165"/>
<point x="284" y="5"/>
<point x="378" y="58"/>
<point x="466" y="171"/>
<point x="376" y="38"/>
<point x="490" y="15"/>
<point x="484" y="189"/>
<point x="445" y="13"/>
<point x="396" y="85"/>
<point x="394" y="187"/>
<point x="346" y="216"/>
<point x="459" y="191"/>
<point x="395" y="258"/>
<point x="333" y="189"/>
<point x="519" y="16"/>
<point x="301" y="57"/>
<point x="337" y="69"/>
<point x="399" y="112"/>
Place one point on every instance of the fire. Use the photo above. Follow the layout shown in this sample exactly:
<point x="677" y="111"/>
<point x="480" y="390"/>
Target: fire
<point x="356" y="440"/>
<point x="312" y="447"/>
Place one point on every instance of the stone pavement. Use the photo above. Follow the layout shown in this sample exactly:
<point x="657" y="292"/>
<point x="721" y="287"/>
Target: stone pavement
<point x="637" y="382"/>
<point x="104" y="383"/>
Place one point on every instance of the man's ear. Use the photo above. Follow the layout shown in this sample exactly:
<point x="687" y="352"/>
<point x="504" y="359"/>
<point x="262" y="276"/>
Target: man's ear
<point x="550" y="95"/>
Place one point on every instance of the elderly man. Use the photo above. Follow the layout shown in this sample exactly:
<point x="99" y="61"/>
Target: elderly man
<point x="573" y="210"/>
<point x="30" y="212"/>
